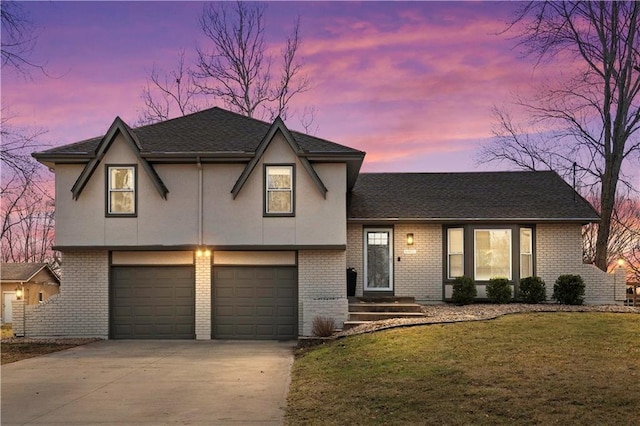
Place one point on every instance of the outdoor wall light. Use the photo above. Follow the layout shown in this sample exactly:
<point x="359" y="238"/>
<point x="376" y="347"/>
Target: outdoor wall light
<point x="620" y="263"/>
<point x="409" y="239"/>
<point x="203" y="252"/>
<point x="18" y="293"/>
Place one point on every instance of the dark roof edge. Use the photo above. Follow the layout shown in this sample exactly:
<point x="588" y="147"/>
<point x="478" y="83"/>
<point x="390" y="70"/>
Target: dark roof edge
<point x="193" y="247"/>
<point x="475" y="219"/>
<point x="120" y="126"/>
<point x="278" y="124"/>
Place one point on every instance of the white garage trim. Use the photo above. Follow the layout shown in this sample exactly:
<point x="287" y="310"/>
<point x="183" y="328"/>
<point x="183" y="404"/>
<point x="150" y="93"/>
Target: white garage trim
<point x="255" y="258"/>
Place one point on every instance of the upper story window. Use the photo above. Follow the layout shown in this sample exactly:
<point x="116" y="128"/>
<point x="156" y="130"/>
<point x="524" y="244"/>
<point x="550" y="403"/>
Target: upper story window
<point x="121" y="190"/>
<point x="279" y="190"/>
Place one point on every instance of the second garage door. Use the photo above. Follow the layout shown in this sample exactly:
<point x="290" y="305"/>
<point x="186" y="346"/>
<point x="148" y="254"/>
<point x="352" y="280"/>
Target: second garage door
<point x="255" y="302"/>
<point x="152" y="302"/>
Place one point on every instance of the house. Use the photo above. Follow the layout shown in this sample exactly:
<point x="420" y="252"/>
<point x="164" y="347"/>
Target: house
<point x="219" y="226"/>
<point x="32" y="282"/>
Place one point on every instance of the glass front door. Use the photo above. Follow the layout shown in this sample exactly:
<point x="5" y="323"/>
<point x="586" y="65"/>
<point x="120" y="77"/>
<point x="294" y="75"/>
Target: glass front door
<point x="378" y="260"/>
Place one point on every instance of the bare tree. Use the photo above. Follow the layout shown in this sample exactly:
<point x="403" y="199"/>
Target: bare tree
<point x="624" y="233"/>
<point x="18" y="39"/>
<point x="235" y="67"/>
<point x="175" y="88"/>
<point x="591" y="118"/>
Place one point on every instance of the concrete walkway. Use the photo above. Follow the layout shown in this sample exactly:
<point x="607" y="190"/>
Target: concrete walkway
<point x="151" y="383"/>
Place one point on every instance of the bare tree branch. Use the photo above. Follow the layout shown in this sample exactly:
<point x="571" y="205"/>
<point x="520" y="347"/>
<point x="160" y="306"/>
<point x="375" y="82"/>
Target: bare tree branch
<point x="18" y="39"/>
<point x="591" y="118"/>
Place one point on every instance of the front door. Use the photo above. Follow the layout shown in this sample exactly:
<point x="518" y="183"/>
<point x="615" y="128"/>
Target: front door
<point x="7" y="306"/>
<point x="378" y="259"/>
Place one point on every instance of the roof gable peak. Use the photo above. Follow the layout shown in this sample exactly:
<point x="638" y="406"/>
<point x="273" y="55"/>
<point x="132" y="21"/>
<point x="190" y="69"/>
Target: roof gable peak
<point x="278" y="125"/>
<point x="119" y="126"/>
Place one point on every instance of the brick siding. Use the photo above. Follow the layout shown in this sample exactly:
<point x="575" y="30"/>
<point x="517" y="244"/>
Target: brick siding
<point x="322" y="287"/>
<point x="203" y="297"/>
<point x="82" y="307"/>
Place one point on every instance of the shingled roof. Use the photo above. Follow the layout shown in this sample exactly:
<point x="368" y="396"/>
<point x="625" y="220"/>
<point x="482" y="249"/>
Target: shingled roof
<point x="213" y="130"/>
<point x="479" y="196"/>
<point x="22" y="272"/>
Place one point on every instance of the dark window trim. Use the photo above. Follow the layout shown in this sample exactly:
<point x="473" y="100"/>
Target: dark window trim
<point x="469" y="252"/>
<point x="107" y="192"/>
<point x="264" y="190"/>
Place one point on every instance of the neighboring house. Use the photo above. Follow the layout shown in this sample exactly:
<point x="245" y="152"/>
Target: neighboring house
<point x="215" y="225"/>
<point x="32" y="282"/>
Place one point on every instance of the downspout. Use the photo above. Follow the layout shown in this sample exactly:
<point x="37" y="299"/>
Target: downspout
<point x="200" y="212"/>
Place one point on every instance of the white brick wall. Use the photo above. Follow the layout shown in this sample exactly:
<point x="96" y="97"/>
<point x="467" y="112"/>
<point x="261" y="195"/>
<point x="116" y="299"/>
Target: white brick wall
<point x="416" y="275"/>
<point x="203" y="297"/>
<point x="82" y="307"/>
<point x="559" y="252"/>
<point x="322" y="287"/>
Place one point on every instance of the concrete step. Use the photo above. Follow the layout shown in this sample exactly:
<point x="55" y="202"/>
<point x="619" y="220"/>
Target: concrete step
<point x="382" y="299"/>
<point x="376" y="316"/>
<point x="384" y="307"/>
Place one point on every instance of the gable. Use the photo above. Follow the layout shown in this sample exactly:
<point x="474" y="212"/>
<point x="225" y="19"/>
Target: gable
<point x="276" y="128"/>
<point x="118" y="128"/>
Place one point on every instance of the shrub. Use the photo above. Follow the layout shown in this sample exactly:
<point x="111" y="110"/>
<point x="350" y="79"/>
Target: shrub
<point x="323" y="326"/>
<point x="533" y="290"/>
<point x="569" y="290"/>
<point x="499" y="290"/>
<point x="464" y="291"/>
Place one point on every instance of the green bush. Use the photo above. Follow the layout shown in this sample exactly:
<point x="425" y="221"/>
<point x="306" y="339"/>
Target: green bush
<point x="464" y="291"/>
<point x="569" y="290"/>
<point x="533" y="290"/>
<point x="499" y="290"/>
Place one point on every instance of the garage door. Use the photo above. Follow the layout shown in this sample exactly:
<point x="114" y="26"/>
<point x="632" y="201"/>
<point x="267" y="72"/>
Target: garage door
<point x="255" y="302"/>
<point x="152" y="302"/>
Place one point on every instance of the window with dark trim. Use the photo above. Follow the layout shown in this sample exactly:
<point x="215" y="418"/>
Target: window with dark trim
<point x="121" y="190"/>
<point x="279" y="190"/>
<point x="455" y="252"/>
<point x="489" y="251"/>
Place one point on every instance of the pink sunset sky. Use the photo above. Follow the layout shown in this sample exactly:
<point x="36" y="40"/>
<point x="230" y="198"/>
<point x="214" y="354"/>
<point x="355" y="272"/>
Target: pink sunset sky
<point x="410" y="83"/>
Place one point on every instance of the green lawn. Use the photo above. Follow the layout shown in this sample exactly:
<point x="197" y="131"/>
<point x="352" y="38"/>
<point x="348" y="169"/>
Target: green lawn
<point x="566" y="368"/>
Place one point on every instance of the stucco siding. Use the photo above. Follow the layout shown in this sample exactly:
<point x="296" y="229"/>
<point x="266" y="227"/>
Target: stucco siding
<point x="322" y="288"/>
<point x="240" y="221"/>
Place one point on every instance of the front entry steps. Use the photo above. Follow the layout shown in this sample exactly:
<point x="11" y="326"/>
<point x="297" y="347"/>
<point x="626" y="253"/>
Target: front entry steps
<point x="363" y="310"/>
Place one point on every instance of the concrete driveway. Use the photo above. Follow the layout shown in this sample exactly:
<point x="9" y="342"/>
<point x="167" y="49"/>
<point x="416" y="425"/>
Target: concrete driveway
<point x="152" y="383"/>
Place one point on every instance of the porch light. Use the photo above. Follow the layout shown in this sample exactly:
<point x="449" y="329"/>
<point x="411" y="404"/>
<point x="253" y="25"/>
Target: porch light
<point x="19" y="293"/>
<point x="203" y="252"/>
<point x="620" y="263"/>
<point x="409" y="239"/>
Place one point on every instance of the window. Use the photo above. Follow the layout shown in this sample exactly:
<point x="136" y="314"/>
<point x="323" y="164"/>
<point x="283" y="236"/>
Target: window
<point x="121" y="188"/>
<point x="279" y="190"/>
<point x="455" y="252"/>
<point x="492" y="254"/>
<point x="526" y="252"/>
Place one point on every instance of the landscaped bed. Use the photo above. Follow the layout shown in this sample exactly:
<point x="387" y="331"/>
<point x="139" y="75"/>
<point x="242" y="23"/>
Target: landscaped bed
<point x="16" y="349"/>
<point x="534" y="368"/>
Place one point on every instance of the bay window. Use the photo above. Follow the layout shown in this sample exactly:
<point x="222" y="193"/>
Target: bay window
<point x="492" y="250"/>
<point x="526" y="252"/>
<point x="455" y="252"/>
